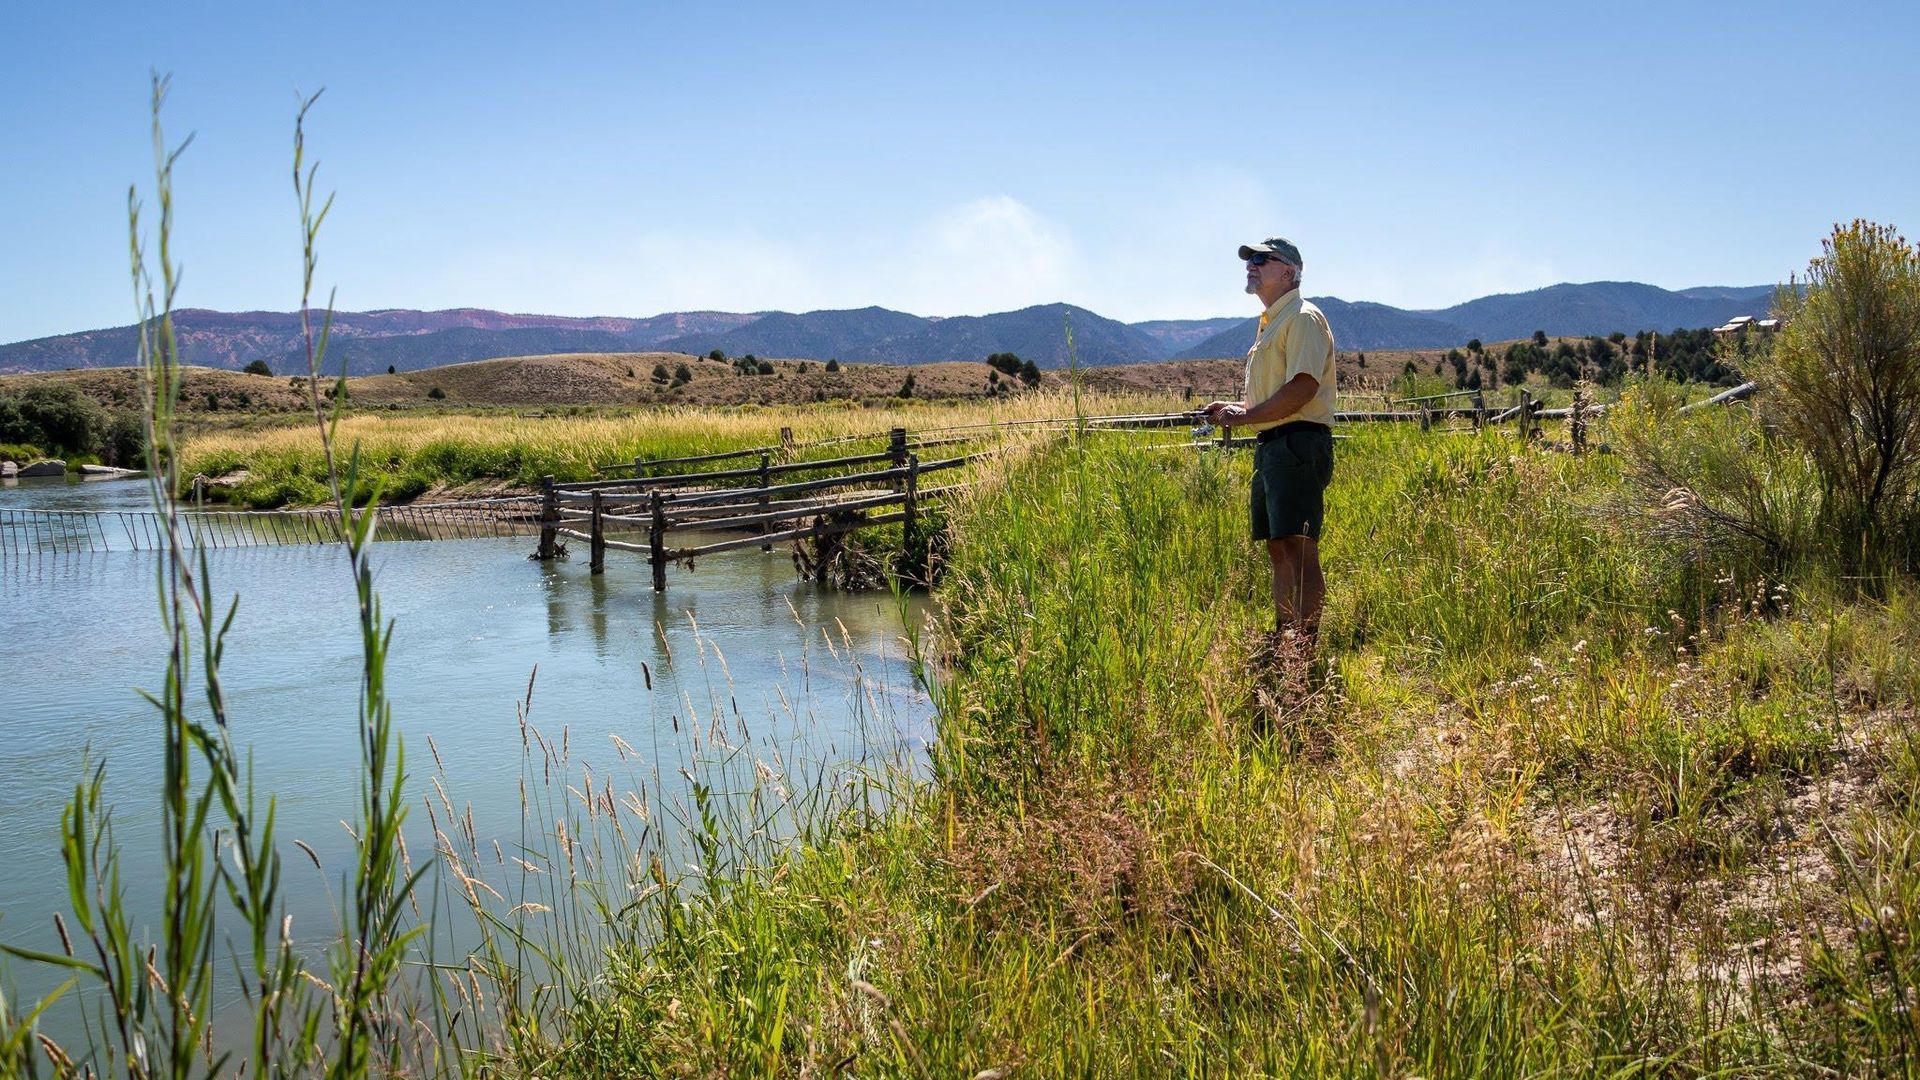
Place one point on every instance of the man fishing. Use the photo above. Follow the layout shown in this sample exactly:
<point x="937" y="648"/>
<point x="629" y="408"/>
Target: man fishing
<point x="1289" y="404"/>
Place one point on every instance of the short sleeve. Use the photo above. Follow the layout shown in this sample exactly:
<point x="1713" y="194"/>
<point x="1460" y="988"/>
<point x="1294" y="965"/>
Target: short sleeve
<point x="1309" y="347"/>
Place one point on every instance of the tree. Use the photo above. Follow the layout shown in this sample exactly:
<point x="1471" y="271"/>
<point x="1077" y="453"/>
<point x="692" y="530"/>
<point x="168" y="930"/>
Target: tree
<point x="390" y="370"/>
<point x="1540" y="339"/>
<point x="437" y="394"/>
<point x="833" y="364"/>
<point x="257" y="367"/>
<point x="660" y="373"/>
<point x="681" y="375"/>
<point x="1474" y="346"/>
<point x="1004" y="362"/>
<point x="718" y="354"/>
<point x="1029" y="373"/>
<point x="764" y="368"/>
<point x="906" y="388"/>
<point x="1846" y="369"/>
<point x="54" y="416"/>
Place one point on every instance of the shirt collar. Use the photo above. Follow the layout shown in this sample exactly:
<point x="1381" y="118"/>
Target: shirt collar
<point x="1280" y="308"/>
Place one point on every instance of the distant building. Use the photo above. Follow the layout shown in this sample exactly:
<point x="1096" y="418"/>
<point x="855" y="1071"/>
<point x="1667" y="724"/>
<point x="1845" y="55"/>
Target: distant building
<point x="1742" y="322"/>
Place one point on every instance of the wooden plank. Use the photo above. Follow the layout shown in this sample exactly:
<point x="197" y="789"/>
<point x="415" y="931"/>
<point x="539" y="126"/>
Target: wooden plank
<point x="617" y="544"/>
<point x="828" y="529"/>
<point x="788" y="513"/>
<point x="820" y="485"/>
<point x="1745" y="389"/>
<point x="654" y="463"/>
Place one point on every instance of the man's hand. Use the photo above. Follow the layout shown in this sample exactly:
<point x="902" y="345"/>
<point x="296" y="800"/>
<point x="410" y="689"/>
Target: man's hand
<point x="1225" y="413"/>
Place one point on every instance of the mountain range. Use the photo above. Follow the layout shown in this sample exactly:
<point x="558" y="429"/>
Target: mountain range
<point x="407" y="340"/>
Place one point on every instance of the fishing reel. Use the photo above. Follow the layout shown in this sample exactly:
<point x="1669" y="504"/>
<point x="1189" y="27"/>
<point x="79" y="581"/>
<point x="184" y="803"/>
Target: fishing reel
<point x="1202" y="425"/>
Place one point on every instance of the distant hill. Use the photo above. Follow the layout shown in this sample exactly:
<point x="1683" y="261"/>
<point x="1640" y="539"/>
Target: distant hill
<point x="1598" y="307"/>
<point x="371" y="341"/>
<point x="877" y="335"/>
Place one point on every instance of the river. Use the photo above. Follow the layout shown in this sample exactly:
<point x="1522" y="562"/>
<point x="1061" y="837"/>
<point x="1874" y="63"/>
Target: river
<point x="737" y="653"/>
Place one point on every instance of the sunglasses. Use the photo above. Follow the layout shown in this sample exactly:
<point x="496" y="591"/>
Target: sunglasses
<point x="1262" y="260"/>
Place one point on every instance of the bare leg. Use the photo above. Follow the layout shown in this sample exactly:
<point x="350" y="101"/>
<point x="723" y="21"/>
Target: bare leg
<point x="1299" y="588"/>
<point x="1286" y="581"/>
<point x="1313" y="585"/>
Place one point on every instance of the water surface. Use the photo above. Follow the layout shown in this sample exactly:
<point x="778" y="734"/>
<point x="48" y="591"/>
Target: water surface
<point x="797" y="677"/>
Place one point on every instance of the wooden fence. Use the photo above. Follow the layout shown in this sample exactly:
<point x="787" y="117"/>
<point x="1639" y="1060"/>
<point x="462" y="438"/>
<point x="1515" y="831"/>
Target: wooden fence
<point x="772" y="500"/>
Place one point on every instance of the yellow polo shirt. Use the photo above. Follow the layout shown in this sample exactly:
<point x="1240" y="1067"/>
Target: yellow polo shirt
<point x="1294" y="337"/>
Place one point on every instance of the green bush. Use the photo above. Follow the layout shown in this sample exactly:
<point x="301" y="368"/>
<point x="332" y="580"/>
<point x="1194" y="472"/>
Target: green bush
<point x="1822" y="470"/>
<point x="20" y="452"/>
<point x="53" y="415"/>
<point x="437" y="394"/>
<point x="833" y="364"/>
<point x="257" y="367"/>
<point x="1843" y="384"/>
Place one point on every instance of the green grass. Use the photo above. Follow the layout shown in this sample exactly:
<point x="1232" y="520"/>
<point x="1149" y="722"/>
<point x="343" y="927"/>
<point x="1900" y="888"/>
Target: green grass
<point x="1142" y="855"/>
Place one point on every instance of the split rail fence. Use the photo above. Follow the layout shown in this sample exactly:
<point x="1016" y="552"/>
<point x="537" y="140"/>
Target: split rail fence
<point x="649" y="510"/>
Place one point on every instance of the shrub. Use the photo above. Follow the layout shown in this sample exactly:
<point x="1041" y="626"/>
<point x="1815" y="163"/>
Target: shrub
<point x="21" y="452"/>
<point x="1845" y="371"/>
<point x="681" y="375"/>
<point x="256" y="367"/>
<point x="52" y="415"/>
<point x="764" y="368"/>
<point x="437" y="394"/>
<point x="660" y="373"/>
<point x="1825" y="471"/>
<point x="1029" y="373"/>
<point x="390" y="370"/>
<point x="906" y="388"/>
<point x="1004" y="362"/>
<point x="833" y="364"/>
<point x="718" y="354"/>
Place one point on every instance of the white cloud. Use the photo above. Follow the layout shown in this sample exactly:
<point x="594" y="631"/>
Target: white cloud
<point x="989" y="254"/>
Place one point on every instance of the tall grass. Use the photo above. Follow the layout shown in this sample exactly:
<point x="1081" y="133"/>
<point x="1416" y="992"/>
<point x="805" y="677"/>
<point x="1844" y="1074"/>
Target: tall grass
<point x="412" y="455"/>
<point x="1528" y="823"/>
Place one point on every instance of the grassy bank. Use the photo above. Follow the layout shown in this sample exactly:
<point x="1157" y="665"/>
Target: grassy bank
<point x="417" y="454"/>
<point x="1560" y="802"/>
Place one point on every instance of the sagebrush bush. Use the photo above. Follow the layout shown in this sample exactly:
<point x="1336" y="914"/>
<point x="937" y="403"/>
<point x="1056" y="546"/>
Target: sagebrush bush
<point x="1843" y="381"/>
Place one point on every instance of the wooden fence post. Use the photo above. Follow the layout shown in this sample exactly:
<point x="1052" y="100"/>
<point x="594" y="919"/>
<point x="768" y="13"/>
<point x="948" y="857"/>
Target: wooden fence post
<point x="549" y="513"/>
<point x="639" y="467"/>
<point x="1577" y="418"/>
<point x="597" y="546"/>
<point x="1479" y="410"/>
<point x="897" y="452"/>
<point x="786" y="438"/>
<point x="766" y="501"/>
<point x="913" y="495"/>
<point x="657" y="542"/>
<point x="1426" y="418"/>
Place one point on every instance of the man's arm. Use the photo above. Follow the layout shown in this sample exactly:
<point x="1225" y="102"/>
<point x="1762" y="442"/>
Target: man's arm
<point x="1286" y="401"/>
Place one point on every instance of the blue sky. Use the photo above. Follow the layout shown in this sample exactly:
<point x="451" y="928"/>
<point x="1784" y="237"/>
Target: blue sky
<point x="628" y="159"/>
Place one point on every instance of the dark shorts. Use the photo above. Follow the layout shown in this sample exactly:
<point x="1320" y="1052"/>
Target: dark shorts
<point x="1290" y="476"/>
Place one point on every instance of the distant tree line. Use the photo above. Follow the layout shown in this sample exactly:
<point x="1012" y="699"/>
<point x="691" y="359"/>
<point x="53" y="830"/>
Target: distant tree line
<point x="1685" y="355"/>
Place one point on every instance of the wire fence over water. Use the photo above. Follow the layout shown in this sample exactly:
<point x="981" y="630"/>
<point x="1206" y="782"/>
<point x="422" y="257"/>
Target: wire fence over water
<point x="74" y="532"/>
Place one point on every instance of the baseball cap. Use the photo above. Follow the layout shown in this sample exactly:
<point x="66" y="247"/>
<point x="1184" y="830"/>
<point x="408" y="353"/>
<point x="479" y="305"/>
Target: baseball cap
<point x="1273" y="245"/>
